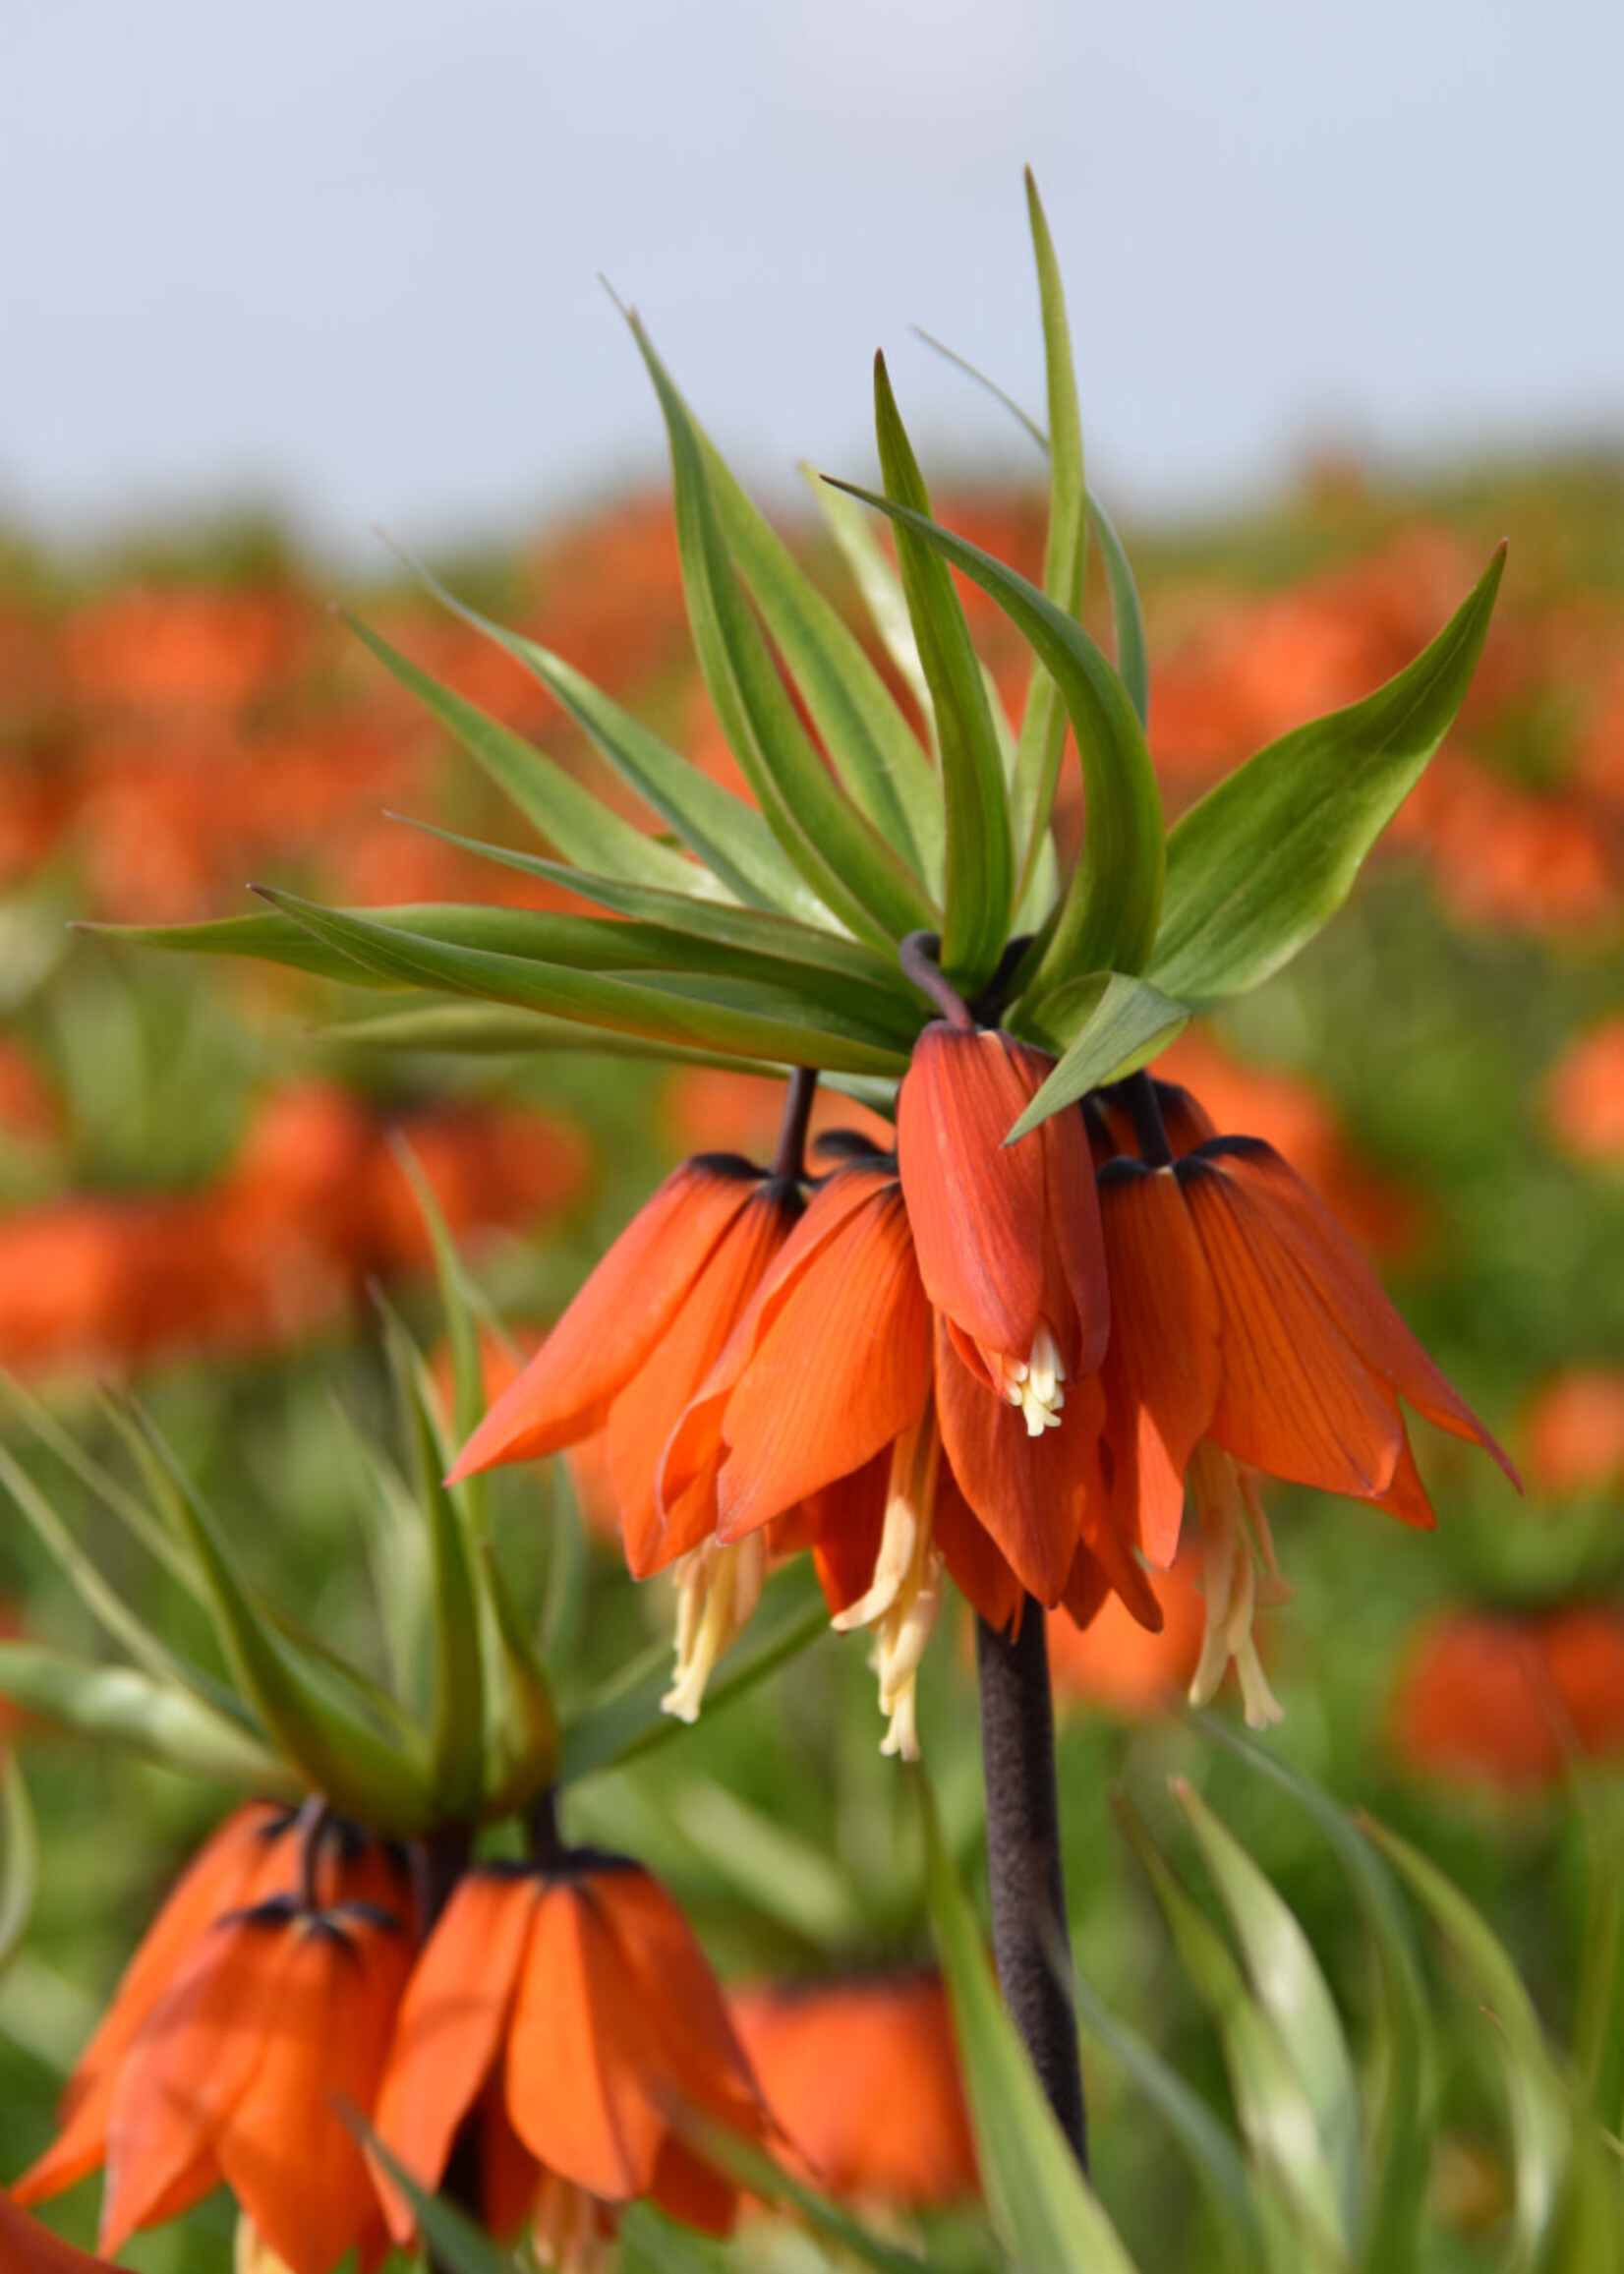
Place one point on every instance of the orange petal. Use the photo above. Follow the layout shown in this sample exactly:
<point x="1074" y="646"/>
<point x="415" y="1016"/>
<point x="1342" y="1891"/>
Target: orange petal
<point x="452" y="2023"/>
<point x="284" y="2149"/>
<point x="1405" y="1497"/>
<point x="846" y="1520"/>
<point x="976" y="1205"/>
<point x="579" y="2059"/>
<point x="1184" y="1117"/>
<point x="1076" y="1242"/>
<point x="693" y="2191"/>
<point x="695" y="1451"/>
<point x="510" y="2174"/>
<point x="1294" y="1399"/>
<point x="630" y="1302"/>
<point x="680" y="1997"/>
<point x="980" y="1573"/>
<point x="1350" y="1290"/>
<point x="1028" y="1492"/>
<point x="841" y="1370"/>
<point x="1087" y="1590"/>
<point x="1161" y="1372"/>
<point x="190" y="2063"/>
<point x="648" y="1409"/>
<point x="27" y="2248"/>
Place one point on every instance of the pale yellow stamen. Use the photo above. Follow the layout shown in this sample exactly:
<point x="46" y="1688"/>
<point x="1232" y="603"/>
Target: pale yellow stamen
<point x="1033" y="1384"/>
<point x="1231" y="1552"/>
<point x="251" y="2253"/>
<point x="565" y="2231"/>
<point x="718" y="1589"/>
<point x="906" y="1593"/>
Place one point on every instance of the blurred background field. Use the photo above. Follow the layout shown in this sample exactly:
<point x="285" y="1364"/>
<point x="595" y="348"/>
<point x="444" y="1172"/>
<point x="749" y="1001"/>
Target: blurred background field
<point x="198" y="1193"/>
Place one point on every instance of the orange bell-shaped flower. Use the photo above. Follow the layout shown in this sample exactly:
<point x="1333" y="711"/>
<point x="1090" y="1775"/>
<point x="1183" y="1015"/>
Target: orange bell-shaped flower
<point x="574" y="2010"/>
<point x="641" y="1334"/>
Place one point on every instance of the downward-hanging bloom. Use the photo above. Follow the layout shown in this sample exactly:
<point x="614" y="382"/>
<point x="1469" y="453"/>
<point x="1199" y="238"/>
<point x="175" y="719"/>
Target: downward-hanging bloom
<point x="863" y="2076"/>
<point x="574" y="2011"/>
<point x="842" y="1417"/>
<point x="641" y="1334"/>
<point x="235" y="2040"/>
<point x="1511" y="1697"/>
<point x="1248" y="1333"/>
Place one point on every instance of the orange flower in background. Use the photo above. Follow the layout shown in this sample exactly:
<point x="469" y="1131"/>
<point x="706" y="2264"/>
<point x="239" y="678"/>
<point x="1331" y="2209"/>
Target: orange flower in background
<point x="1118" y="1663"/>
<point x="242" y="2050"/>
<point x="863" y="2078"/>
<point x="1575" y="1432"/>
<point x="641" y="1334"/>
<point x="1585" y="1095"/>
<point x="1506" y="1698"/>
<point x="709" y="1109"/>
<point x="573" y="2009"/>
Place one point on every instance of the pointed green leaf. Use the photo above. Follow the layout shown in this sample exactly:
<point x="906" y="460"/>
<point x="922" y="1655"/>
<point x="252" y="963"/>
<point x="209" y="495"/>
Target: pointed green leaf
<point x="623" y="1720"/>
<point x="1065" y="559"/>
<point x="1127" y="1024"/>
<point x="1267" y="858"/>
<point x="1403" y="2117"/>
<point x="880" y="589"/>
<point x="1275" y="2113"/>
<point x="1042" y="2208"/>
<point x="1133" y="655"/>
<point x="492" y="1030"/>
<point x="457" y="2244"/>
<point x="361" y="1773"/>
<point x="1213" y="2156"/>
<point x="978" y="887"/>
<point x="457" y="1718"/>
<point x="521" y="1728"/>
<point x="840" y="855"/>
<point x="391" y="1534"/>
<point x="756" y="2172"/>
<point x="581" y="827"/>
<point x="104" y="1601"/>
<point x="870" y="743"/>
<point x="138" y="1519"/>
<point x="19" y="1858"/>
<point x="1287" y="1981"/>
<point x="731" y="937"/>
<point x="778" y="1872"/>
<point x="1542" y="2114"/>
<point x="115" y="1705"/>
<point x="1109" y="916"/>
<point x="750" y="1020"/>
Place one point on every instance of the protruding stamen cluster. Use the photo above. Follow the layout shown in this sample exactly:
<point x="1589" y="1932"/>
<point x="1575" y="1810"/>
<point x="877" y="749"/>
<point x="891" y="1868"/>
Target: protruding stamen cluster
<point x="906" y="1593"/>
<point x="1238" y="1575"/>
<point x="567" y="2232"/>
<point x="1034" y="1384"/>
<point x="719" y="1588"/>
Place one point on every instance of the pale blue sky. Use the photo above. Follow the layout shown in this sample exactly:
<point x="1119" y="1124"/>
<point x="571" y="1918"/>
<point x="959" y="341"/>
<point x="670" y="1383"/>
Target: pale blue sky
<point x="342" y="255"/>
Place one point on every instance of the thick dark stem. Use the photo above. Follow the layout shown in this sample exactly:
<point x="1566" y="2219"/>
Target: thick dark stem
<point x="440" y="1862"/>
<point x="917" y="956"/>
<point x="789" y="1161"/>
<point x="1143" y="1103"/>
<point x="1030" y="1942"/>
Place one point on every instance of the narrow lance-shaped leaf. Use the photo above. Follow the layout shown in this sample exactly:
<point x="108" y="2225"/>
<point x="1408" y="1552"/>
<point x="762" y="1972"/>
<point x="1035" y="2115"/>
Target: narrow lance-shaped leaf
<point x="1276" y="2115"/>
<point x="117" y="1706"/>
<point x="1269" y="854"/>
<point x="1065" y="554"/>
<point x="19" y="1857"/>
<point x="1129" y="1023"/>
<point x="978" y="883"/>
<point x="735" y="851"/>
<point x="1286" y="1977"/>
<point x="880" y="589"/>
<point x="845" y="860"/>
<point x="1042" y="2208"/>
<point x="1401" y="2113"/>
<point x="360" y="1771"/>
<point x="1541" y="2111"/>
<point x="1108" y="919"/>
<point x="580" y="826"/>
<point x="1132" y="654"/>
<point x="756" y="2172"/>
<point x="742" y="1019"/>
<point x="870" y="743"/>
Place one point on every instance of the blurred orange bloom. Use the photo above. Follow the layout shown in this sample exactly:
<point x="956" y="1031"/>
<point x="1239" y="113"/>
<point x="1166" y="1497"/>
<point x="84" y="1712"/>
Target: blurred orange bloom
<point x="1504" y="1698"/>
<point x="1116" y="1662"/>
<point x="574" y="2010"/>
<point x="709" y="1109"/>
<point x="1585" y="1095"/>
<point x="236" y="2035"/>
<point x="863" y="2078"/>
<point x="1575" y="1432"/>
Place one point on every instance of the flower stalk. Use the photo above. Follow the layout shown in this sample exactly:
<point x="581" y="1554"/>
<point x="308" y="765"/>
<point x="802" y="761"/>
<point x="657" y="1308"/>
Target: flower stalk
<point x="1031" y="1947"/>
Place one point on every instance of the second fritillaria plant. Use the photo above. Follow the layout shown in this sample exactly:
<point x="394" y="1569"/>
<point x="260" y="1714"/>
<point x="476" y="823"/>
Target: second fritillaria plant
<point x="1001" y="1349"/>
